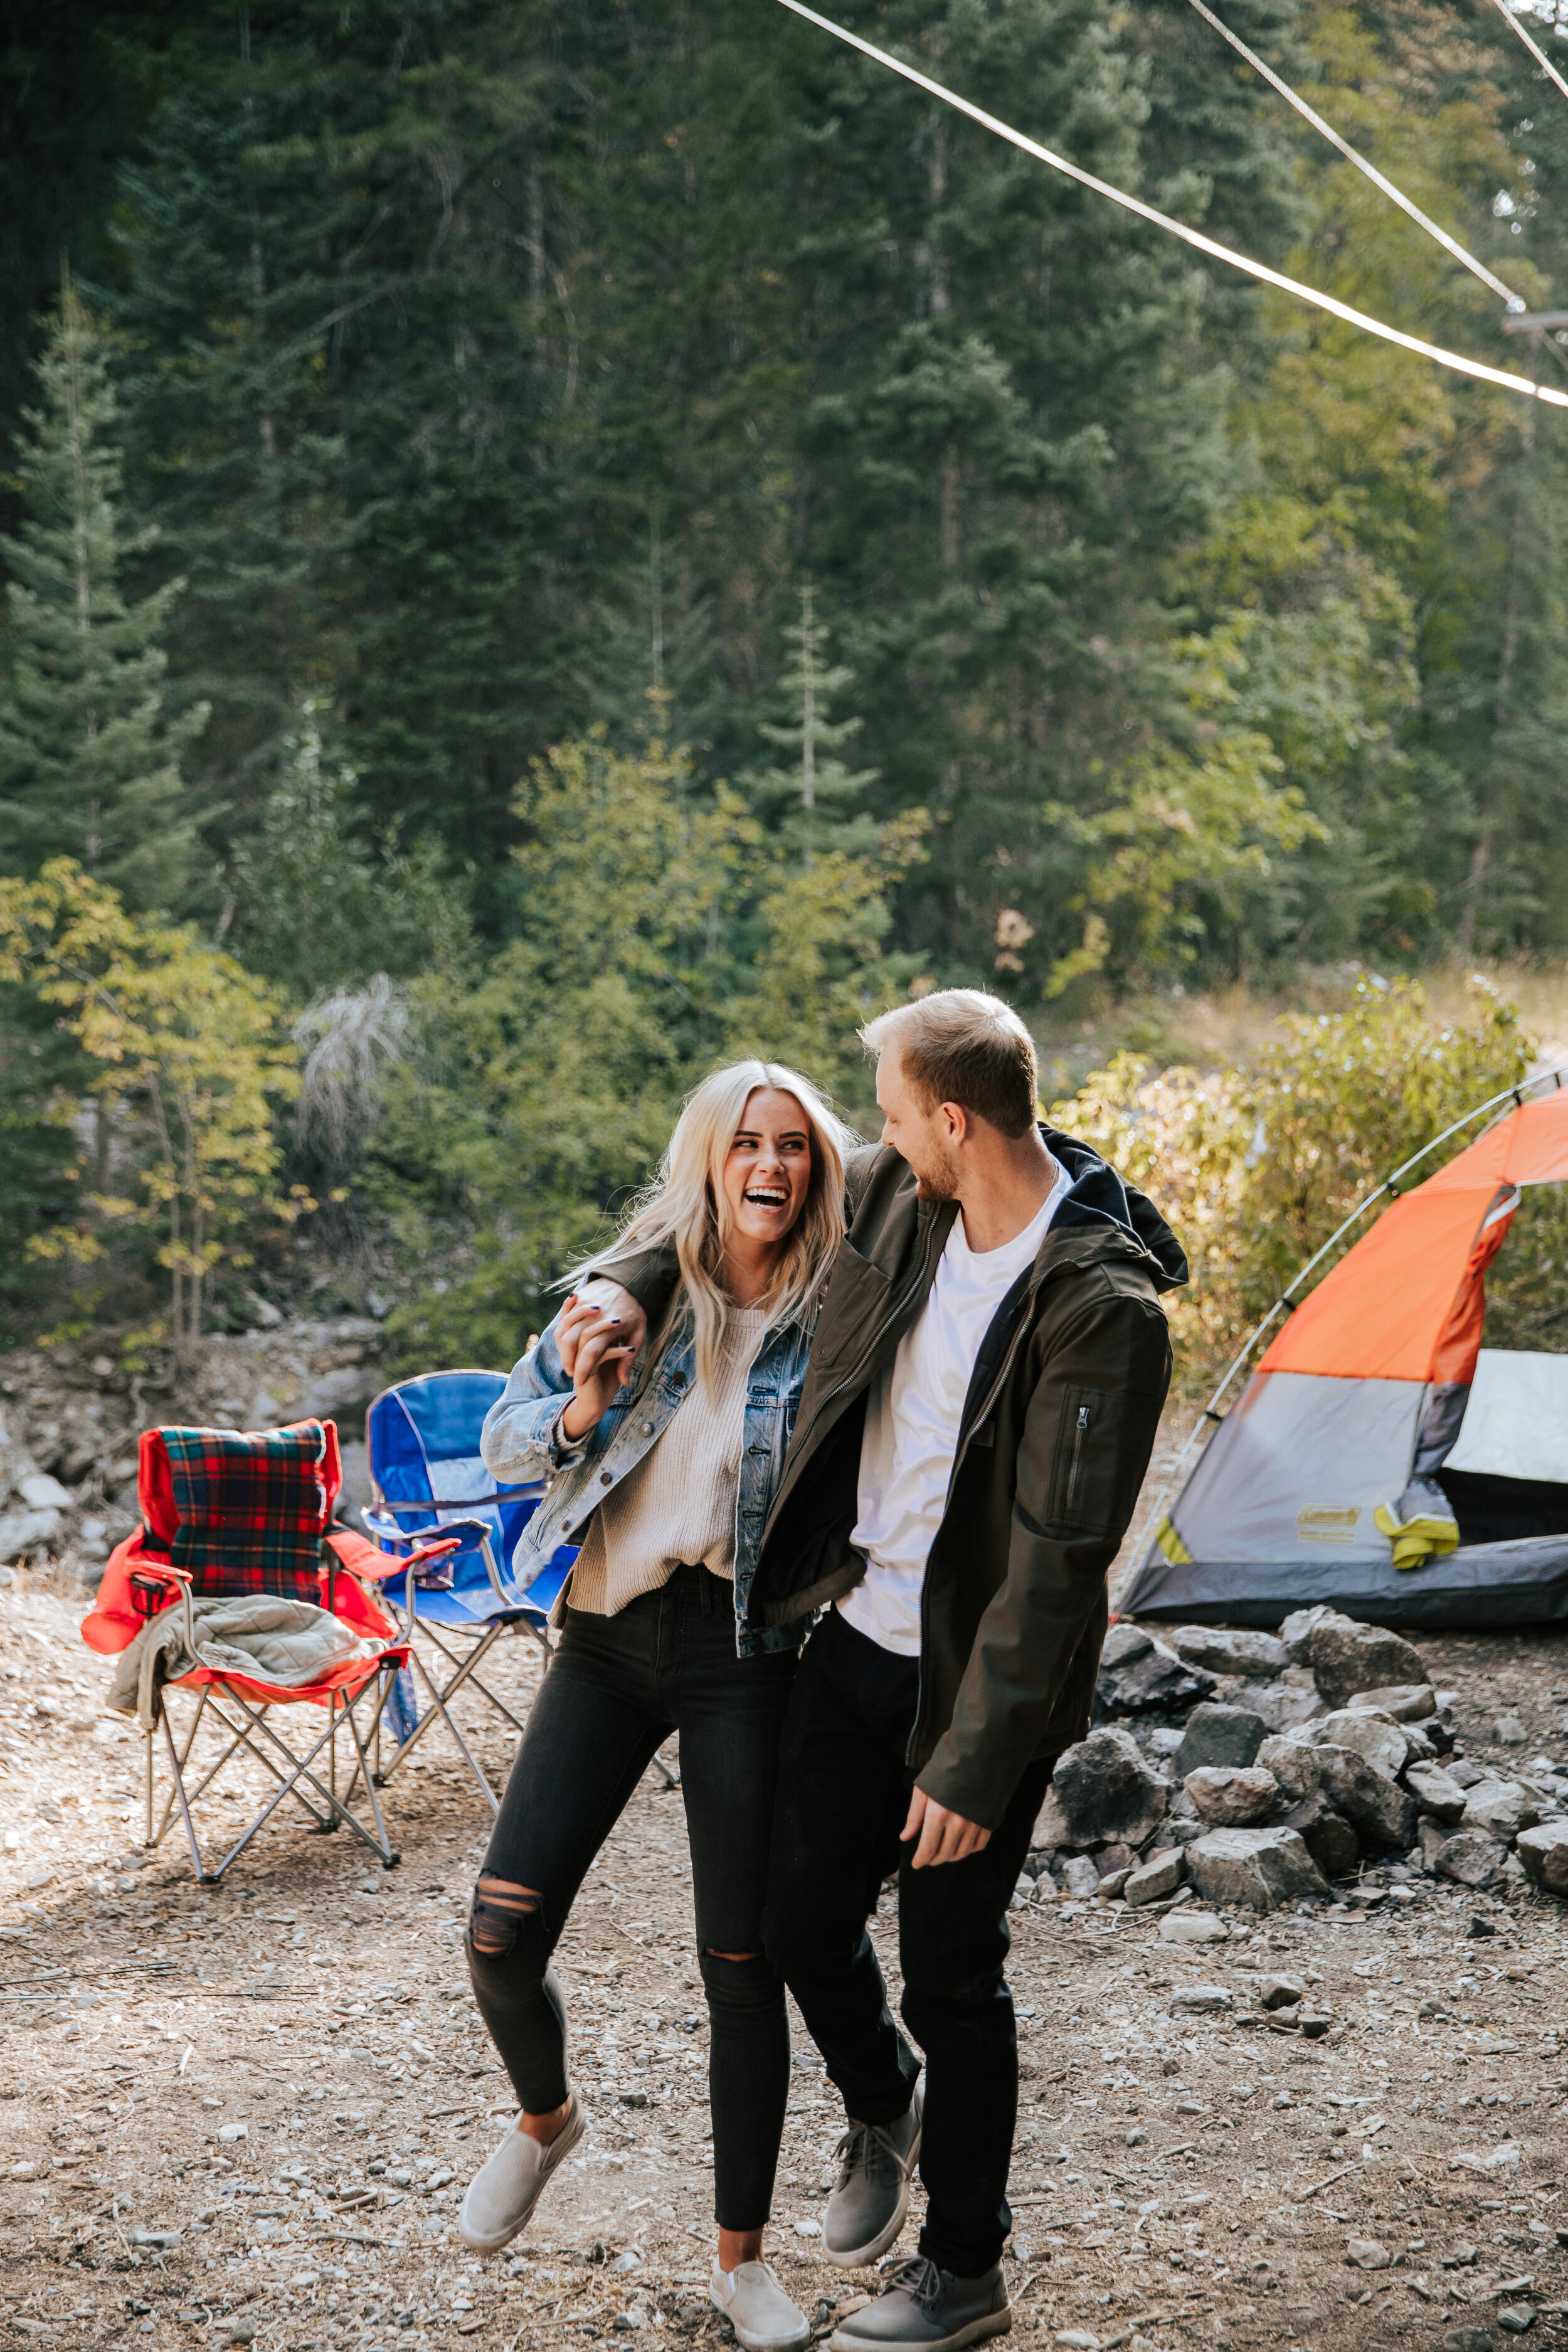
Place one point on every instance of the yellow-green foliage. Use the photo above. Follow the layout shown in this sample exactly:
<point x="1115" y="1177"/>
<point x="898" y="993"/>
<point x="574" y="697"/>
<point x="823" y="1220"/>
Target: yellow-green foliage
<point x="1255" y="1166"/>
<point x="664" y="931"/>
<point x="186" y="1057"/>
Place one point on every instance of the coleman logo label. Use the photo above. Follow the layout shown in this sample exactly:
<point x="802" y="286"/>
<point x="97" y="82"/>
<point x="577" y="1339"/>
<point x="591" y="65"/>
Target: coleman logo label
<point x="1326" y="1523"/>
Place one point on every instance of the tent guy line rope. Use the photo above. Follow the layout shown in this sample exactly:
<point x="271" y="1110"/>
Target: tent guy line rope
<point x="1396" y="196"/>
<point x="1285" y="1302"/>
<point x="1538" y="53"/>
<point x="1195" y="238"/>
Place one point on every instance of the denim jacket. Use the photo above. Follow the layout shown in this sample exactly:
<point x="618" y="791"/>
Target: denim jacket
<point x="519" y="1444"/>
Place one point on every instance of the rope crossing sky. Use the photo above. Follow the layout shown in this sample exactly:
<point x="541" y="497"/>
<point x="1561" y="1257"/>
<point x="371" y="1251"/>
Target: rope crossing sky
<point x="1195" y="238"/>
<point x="1396" y="196"/>
<point x="1538" y="53"/>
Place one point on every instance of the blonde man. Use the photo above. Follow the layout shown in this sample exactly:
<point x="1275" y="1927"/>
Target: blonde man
<point x="986" y="1380"/>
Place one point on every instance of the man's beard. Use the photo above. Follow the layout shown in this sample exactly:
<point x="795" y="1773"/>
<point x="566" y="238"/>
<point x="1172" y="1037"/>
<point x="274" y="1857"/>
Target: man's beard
<point x="938" y="1184"/>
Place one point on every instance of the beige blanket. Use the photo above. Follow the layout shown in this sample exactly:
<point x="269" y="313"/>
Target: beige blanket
<point x="287" y="1642"/>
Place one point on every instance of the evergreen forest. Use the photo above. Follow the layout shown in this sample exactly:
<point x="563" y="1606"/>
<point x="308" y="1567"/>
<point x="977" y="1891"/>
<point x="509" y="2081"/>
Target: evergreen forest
<point x="543" y="546"/>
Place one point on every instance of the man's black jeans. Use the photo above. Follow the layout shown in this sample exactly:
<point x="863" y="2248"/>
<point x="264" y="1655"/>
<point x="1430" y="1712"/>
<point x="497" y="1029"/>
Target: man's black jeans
<point x="616" y="1687"/>
<point x="843" y="1795"/>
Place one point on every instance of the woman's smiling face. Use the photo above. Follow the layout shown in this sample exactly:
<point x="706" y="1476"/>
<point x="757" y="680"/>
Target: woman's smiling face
<point x="767" y="1170"/>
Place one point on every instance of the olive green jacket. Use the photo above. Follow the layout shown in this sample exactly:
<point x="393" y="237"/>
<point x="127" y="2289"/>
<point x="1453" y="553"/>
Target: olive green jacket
<point x="1057" y="1431"/>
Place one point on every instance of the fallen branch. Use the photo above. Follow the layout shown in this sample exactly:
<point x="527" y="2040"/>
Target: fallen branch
<point x="1302" y="2194"/>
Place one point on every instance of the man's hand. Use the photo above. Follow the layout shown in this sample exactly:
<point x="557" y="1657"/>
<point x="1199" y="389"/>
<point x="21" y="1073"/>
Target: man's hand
<point x="943" y="1836"/>
<point x="602" y="1328"/>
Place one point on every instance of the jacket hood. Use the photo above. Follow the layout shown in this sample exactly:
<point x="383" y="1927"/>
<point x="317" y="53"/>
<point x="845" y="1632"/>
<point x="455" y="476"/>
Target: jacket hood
<point x="1103" y="1204"/>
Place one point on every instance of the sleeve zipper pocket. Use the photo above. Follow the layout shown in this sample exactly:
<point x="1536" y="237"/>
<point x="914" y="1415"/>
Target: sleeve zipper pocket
<point x="1079" y="1435"/>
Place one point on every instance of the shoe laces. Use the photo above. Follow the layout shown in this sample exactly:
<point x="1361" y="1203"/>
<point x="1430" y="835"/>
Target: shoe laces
<point x="864" y="2148"/>
<point x="917" y="2277"/>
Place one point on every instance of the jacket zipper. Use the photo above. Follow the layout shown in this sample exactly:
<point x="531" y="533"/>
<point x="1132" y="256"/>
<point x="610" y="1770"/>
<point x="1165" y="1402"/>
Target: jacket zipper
<point x="1081" y="1430"/>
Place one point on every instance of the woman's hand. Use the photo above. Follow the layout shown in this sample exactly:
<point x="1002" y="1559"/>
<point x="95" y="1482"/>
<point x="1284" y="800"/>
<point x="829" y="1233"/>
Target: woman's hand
<point x="598" y="1349"/>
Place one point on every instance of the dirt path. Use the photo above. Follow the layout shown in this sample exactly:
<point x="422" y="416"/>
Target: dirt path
<point x="247" y="2115"/>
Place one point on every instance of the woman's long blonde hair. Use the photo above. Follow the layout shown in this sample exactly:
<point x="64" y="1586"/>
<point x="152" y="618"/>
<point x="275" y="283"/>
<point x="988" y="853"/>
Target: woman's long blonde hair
<point x="687" y="1205"/>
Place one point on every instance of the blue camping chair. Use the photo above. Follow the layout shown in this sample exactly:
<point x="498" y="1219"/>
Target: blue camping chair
<point x="423" y="1440"/>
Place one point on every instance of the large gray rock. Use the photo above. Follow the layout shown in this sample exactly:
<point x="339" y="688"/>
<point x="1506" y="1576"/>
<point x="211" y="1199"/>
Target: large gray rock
<point x="1381" y="1741"/>
<point x="1200" y="2000"/>
<point x="25" y="1531"/>
<point x="1104" y="1792"/>
<point x="1369" y="1799"/>
<point x="1123" y="1642"/>
<point x="1436" y="1792"/>
<point x="1219" y="1735"/>
<point x="1262" y="1867"/>
<point x="1346" y="1658"/>
<point x="1221" y="1650"/>
<point x="1296" y="1633"/>
<point x="1294" y="1764"/>
<point x="1139" y="1676"/>
<point x="42" y="1493"/>
<point x="341" y="1393"/>
<point x="1471" y="1859"/>
<point x="1544" y="1853"/>
<point x="1159" y="1876"/>
<point x="1284" y="1703"/>
<point x="1404" y="1702"/>
<point x="1326" y="1834"/>
<point x="1500" y="1809"/>
<point x="1232" y="1796"/>
<point x="1431" y="1837"/>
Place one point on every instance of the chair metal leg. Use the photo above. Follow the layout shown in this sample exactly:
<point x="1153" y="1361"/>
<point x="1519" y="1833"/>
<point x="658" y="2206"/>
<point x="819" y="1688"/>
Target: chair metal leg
<point x="440" y="1694"/>
<point x="439" y="1700"/>
<point x="175" y="1765"/>
<point x="388" y="1857"/>
<point x="256" y="1718"/>
<point x="238" y="1738"/>
<point x="178" y="1792"/>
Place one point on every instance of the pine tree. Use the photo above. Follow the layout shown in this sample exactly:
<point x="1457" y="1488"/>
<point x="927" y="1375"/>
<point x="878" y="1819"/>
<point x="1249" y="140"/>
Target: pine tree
<point x="89" y="766"/>
<point x="818" y="792"/>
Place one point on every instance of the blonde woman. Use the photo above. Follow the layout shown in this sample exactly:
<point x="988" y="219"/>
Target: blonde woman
<point x="663" y="1469"/>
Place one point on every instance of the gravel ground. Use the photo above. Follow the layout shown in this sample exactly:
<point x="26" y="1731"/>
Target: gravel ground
<point x="246" y="2115"/>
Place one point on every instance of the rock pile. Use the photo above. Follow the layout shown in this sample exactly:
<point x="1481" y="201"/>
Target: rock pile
<point x="70" y="1417"/>
<point x="1254" y="1770"/>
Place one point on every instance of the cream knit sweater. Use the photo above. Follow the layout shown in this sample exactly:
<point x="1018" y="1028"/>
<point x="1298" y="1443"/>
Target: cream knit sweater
<point x="679" y="1504"/>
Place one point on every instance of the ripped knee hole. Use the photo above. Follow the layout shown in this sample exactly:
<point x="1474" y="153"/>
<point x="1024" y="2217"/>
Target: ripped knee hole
<point x="499" y="1907"/>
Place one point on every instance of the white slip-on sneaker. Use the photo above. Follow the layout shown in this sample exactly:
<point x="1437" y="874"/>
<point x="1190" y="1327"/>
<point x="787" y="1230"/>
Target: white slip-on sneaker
<point x="504" y="2192"/>
<point x="758" y="2309"/>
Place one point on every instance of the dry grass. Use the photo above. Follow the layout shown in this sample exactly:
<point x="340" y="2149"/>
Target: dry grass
<point x="1214" y="1028"/>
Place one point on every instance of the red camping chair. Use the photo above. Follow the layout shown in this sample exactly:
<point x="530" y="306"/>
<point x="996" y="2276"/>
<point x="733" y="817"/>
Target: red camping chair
<point x="225" y="1514"/>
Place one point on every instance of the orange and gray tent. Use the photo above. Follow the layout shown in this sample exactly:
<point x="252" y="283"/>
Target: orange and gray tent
<point x="1381" y="1458"/>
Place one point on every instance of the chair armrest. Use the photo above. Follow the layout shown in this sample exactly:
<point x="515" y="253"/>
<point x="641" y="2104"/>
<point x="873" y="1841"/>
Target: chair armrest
<point x="165" y="1573"/>
<point x="389" y="1564"/>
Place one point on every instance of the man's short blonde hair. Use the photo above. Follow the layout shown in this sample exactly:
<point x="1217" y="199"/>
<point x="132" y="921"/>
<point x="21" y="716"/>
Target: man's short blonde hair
<point x="960" y="1045"/>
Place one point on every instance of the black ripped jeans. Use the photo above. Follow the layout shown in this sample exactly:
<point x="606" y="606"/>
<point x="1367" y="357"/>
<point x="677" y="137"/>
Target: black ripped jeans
<point x="616" y="1687"/>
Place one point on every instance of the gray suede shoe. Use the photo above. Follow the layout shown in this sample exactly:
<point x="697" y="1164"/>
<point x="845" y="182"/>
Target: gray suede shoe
<point x="867" y="2208"/>
<point x="504" y="2192"/>
<point x="923" y="2309"/>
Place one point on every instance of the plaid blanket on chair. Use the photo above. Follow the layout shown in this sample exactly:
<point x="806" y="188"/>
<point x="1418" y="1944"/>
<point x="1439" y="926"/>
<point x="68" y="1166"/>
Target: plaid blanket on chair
<point x="252" y="1509"/>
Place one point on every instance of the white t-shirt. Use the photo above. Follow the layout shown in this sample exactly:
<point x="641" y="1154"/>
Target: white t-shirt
<point x="913" y="1410"/>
